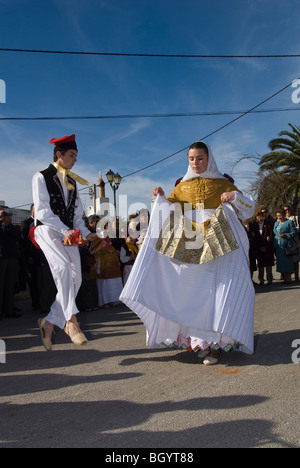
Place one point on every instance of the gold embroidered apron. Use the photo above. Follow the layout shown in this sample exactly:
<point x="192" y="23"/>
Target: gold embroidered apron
<point x="198" y="243"/>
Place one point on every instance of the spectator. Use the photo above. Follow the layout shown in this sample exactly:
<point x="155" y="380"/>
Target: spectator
<point x="31" y="260"/>
<point x="92" y="223"/>
<point x="253" y="236"/>
<point x="87" y="297"/>
<point x="119" y="244"/>
<point x="267" y="216"/>
<point x="285" y="231"/>
<point x="141" y="239"/>
<point x="265" y="257"/>
<point x="132" y="226"/>
<point x="109" y="282"/>
<point x="128" y="261"/>
<point x="9" y="254"/>
<point x="296" y="259"/>
<point x="144" y="219"/>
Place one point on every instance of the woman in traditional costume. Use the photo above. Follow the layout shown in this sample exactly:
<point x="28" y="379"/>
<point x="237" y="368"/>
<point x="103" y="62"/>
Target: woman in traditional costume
<point x="191" y="282"/>
<point x="109" y="282"/>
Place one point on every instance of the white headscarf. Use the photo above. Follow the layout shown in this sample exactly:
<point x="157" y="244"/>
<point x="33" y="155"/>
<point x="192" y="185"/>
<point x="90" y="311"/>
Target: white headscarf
<point x="211" y="172"/>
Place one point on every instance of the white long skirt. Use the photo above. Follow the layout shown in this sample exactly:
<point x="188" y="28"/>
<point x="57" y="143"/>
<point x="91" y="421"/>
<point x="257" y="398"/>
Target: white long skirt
<point x="109" y="290"/>
<point x="203" y="306"/>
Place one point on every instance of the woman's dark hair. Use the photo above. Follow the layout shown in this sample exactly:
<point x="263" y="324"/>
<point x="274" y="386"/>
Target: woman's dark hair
<point x="287" y="208"/>
<point x="199" y="145"/>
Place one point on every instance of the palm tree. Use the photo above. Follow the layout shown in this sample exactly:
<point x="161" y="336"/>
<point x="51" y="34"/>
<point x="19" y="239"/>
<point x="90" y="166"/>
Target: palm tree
<point x="275" y="189"/>
<point x="284" y="159"/>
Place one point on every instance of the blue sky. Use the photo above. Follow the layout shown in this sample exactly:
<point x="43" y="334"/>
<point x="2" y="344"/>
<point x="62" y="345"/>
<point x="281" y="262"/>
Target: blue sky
<point x="62" y="85"/>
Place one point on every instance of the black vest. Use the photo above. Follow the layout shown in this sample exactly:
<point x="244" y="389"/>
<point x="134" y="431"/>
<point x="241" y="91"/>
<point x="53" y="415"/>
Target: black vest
<point x="64" y="209"/>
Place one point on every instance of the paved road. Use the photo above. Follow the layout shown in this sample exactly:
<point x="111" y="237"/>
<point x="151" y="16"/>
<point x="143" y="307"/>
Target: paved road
<point x="115" y="393"/>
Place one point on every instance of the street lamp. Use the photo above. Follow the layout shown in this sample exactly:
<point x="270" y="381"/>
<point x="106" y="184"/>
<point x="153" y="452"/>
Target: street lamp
<point x="114" y="181"/>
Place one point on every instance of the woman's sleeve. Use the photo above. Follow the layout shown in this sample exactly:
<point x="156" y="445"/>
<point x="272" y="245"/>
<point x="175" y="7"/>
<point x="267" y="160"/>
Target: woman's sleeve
<point x="293" y="230"/>
<point x="244" y="205"/>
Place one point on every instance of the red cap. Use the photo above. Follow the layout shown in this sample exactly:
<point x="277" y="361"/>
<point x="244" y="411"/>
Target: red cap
<point x="66" y="141"/>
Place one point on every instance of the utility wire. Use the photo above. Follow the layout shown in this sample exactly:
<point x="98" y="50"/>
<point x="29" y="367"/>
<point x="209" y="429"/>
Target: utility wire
<point x="117" y="54"/>
<point x="144" y="116"/>
<point x="212" y="133"/>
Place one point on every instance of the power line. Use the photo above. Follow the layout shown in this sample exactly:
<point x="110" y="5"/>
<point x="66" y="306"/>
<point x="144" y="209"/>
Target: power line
<point x="214" y="132"/>
<point x="210" y="134"/>
<point x="143" y="116"/>
<point x="118" y="54"/>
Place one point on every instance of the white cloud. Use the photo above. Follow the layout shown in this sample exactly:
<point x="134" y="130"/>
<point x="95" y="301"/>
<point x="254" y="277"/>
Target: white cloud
<point x="139" y="189"/>
<point x="135" y="193"/>
<point x="17" y="170"/>
<point x="115" y="139"/>
<point x="16" y="175"/>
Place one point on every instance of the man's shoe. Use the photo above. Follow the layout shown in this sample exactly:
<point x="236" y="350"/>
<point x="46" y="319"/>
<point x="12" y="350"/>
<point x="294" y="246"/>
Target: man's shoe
<point x="46" y="341"/>
<point x="79" y="339"/>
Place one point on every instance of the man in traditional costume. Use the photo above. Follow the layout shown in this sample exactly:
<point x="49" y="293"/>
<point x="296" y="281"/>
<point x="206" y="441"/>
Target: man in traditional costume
<point x="191" y="282"/>
<point x="58" y="214"/>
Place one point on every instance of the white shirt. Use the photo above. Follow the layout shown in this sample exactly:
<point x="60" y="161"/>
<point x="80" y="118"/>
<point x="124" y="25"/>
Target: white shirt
<point x="45" y="215"/>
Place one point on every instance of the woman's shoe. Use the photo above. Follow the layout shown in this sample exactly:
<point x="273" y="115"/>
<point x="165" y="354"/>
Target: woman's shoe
<point x="202" y="354"/>
<point x="46" y="341"/>
<point x="213" y="358"/>
<point x="79" y="339"/>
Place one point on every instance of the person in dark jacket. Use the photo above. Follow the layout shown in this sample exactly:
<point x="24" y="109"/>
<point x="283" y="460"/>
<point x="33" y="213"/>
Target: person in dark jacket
<point x="31" y="261"/>
<point x="261" y="230"/>
<point x="9" y="266"/>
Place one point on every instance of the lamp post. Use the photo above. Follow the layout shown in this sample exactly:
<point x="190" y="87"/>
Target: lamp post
<point x="114" y="181"/>
<point x="92" y="194"/>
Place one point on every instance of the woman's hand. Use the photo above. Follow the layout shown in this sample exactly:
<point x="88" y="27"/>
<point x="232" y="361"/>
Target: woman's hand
<point x="158" y="191"/>
<point x="227" y="197"/>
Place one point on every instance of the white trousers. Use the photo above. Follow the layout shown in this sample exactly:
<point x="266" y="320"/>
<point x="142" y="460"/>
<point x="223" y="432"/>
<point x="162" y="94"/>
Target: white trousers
<point x="65" y="266"/>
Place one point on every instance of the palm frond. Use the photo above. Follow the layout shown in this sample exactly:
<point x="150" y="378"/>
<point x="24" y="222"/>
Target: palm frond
<point x="279" y="175"/>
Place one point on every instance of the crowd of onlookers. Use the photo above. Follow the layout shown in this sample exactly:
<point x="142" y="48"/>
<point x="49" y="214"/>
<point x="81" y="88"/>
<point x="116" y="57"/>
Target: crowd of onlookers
<point x="107" y="262"/>
<point x="275" y="240"/>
